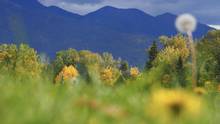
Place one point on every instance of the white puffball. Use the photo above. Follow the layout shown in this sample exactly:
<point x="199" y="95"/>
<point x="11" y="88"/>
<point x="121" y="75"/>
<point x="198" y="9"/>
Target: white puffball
<point x="186" y="23"/>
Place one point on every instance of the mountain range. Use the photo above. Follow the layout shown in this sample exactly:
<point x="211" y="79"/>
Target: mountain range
<point x="125" y="33"/>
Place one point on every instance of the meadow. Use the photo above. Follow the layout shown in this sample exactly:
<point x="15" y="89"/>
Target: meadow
<point x="83" y="87"/>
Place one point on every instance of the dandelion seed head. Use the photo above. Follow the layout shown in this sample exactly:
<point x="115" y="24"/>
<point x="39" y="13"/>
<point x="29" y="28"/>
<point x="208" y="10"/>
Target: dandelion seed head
<point x="186" y="23"/>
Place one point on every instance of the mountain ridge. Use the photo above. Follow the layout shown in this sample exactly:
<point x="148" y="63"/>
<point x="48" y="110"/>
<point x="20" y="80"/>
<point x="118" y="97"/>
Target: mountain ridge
<point x="125" y="33"/>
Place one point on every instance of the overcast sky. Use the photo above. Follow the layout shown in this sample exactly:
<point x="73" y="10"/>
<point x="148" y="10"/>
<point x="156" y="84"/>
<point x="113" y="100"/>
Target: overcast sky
<point x="207" y="11"/>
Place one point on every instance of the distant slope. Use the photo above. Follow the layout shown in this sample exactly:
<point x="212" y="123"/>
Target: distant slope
<point x="123" y="32"/>
<point x="217" y="27"/>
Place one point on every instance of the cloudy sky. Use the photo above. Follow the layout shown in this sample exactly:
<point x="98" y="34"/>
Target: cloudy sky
<point x="207" y="11"/>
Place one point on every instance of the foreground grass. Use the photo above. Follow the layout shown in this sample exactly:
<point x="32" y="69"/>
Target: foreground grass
<point x="41" y="102"/>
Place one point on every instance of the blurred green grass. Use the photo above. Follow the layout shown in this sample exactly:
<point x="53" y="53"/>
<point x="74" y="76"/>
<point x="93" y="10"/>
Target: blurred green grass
<point x="41" y="102"/>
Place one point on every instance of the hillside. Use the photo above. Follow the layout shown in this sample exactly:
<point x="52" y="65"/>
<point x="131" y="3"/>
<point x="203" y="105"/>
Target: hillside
<point x="125" y="33"/>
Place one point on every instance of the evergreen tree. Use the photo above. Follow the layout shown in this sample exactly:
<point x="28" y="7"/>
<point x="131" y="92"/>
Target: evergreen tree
<point x="124" y="69"/>
<point x="152" y="54"/>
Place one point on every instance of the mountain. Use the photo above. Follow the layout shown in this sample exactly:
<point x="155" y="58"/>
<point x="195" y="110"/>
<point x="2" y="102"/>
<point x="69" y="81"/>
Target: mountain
<point x="125" y="33"/>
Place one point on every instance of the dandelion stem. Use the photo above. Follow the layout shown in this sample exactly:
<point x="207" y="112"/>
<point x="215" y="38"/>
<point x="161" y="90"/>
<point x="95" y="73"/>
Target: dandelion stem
<point x="193" y="57"/>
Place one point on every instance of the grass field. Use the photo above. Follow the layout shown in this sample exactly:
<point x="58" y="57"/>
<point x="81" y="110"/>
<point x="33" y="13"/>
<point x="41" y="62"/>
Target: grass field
<point x="41" y="102"/>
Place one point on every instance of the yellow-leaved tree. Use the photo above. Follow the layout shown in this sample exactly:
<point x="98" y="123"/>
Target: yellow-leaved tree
<point x="27" y="62"/>
<point x="21" y="61"/>
<point x="68" y="74"/>
<point x="134" y="72"/>
<point x="109" y="76"/>
<point x="174" y="48"/>
<point x="8" y="55"/>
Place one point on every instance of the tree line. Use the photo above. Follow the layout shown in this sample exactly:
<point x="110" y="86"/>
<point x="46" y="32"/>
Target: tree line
<point x="168" y="66"/>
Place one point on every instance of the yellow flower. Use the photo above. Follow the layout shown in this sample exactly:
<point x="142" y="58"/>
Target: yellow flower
<point x="68" y="73"/>
<point x="173" y="104"/>
<point x="134" y="72"/>
<point x="199" y="90"/>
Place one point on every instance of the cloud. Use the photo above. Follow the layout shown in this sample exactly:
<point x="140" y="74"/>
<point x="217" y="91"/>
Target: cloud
<point x="207" y="11"/>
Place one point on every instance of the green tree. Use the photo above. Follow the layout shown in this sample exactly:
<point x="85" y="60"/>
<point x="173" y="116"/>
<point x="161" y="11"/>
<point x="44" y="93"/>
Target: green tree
<point x="108" y="60"/>
<point x="124" y="68"/>
<point x="90" y="66"/>
<point x="209" y="57"/>
<point x="180" y="69"/>
<point x="65" y="57"/>
<point x="89" y="58"/>
<point x="152" y="54"/>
